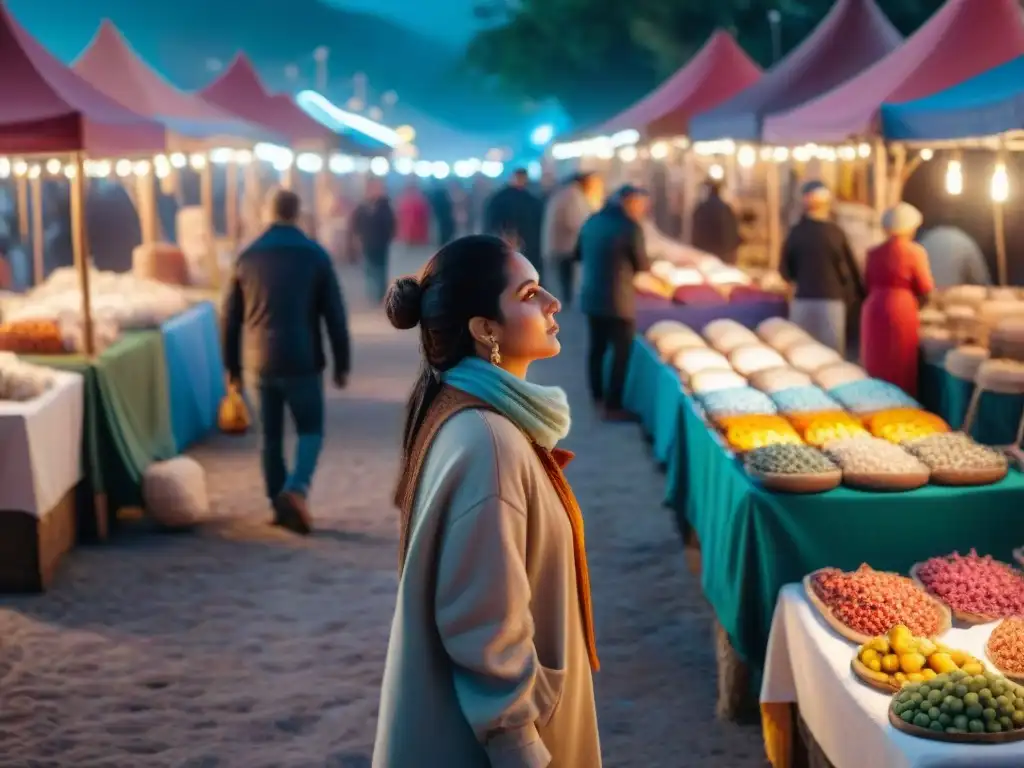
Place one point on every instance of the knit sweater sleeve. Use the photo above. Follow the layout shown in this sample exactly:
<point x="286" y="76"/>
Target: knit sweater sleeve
<point x="482" y="609"/>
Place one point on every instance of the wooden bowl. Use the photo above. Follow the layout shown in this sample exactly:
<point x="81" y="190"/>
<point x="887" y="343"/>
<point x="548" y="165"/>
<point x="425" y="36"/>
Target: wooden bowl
<point x="962" y="616"/>
<point x="970" y="477"/>
<point x="946" y="619"/>
<point x="1004" y="737"/>
<point x="864" y="675"/>
<point x="889" y="481"/>
<point x="819" y="482"/>
<point x="1017" y="677"/>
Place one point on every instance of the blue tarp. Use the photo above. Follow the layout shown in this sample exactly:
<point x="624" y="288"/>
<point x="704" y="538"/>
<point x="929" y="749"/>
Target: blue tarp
<point x="988" y="104"/>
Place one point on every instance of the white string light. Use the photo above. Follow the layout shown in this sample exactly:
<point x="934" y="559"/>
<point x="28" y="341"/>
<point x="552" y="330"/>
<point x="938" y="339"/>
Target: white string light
<point x="1000" y="186"/>
<point x="954" y="178"/>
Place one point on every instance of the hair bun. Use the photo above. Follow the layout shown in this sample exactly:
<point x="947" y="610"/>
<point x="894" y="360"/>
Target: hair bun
<point x="403" y="303"/>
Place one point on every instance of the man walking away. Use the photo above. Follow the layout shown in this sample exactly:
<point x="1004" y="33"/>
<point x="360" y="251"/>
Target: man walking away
<point x="284" y="286"/>
<point x="954" y="257"/>
<point x="566" y="212"/>
<point x="611" y="247"/>
<point x="715" y="227"/>
<point x="444" y="212"/>
<point x="515" y="213"/>
<point x="373" y="223"/>
<point x="817" y="259"/>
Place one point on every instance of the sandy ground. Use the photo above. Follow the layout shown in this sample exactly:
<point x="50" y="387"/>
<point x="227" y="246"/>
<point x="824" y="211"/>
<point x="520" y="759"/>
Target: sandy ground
<point x="242" y="646"/>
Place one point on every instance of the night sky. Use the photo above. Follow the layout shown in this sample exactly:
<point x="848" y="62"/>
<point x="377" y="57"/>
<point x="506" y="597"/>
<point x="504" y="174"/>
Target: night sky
<point x="448" y="20"/>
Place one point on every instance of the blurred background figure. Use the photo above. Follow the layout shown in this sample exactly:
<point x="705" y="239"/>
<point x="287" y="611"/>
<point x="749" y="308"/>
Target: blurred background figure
<point x="897" y="280"/>
<point x="373" y="225"/>
<point x="611" y="247"/>
<point x="565" y="213"/>
<point x="413" y="216"/>
<point x="715" y="226"/>
<point x="954" y="257"/>
<point x="514" y="213"/>
<point x="818" y="261"/>
<point x="444" y="212"/>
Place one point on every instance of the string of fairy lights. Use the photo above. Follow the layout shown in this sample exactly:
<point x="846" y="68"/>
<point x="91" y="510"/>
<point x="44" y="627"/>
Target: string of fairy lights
<point x="625" y="145"/>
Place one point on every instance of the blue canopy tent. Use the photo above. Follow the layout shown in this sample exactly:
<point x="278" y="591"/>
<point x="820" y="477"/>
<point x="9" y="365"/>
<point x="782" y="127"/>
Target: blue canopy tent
<point x="988" y="104"/>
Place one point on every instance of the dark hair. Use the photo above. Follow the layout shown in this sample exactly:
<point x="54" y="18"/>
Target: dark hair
<point x="285" y="205"/>
<point x="461" y="281"/>
<point x="520" y="172"/>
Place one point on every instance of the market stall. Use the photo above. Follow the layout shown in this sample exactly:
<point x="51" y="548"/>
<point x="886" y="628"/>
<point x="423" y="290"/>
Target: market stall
<point x="39" y="475"/>
<point x="808" y="673"/>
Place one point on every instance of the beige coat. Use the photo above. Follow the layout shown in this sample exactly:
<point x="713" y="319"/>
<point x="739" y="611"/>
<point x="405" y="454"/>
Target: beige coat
<point x="487" y="663"/>
<point x="566" y="212"/>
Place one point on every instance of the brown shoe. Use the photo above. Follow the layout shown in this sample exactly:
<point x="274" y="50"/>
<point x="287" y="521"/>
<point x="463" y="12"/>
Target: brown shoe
<point x="292" y="512"/>
<point x="617" y="415"/>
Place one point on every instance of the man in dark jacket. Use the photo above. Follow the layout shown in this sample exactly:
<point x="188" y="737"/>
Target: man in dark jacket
<point x="715" y="228"/>
<point x="373" y="224"/>
<point x="444" y="212"/>
<point x="283" y="288"/>
<point x="817" y="259"/>
<point x="611" y="247"/>
<point x="515" y="214"/>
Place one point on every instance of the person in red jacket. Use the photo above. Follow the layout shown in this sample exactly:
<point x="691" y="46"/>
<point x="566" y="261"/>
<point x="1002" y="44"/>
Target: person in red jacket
<point x="413" y="216"/>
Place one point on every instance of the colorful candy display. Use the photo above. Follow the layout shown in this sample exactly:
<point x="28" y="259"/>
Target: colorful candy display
<point x="734" y="402"/>
<point x="1006" y="646"/>
<point x="974" y="584"/>
<point x="899" y="425"/>
<point x="808" y="399"/>
<point x="870" y="395"/>
<point x="822" y="428"/>
<point x="746" y="433"/>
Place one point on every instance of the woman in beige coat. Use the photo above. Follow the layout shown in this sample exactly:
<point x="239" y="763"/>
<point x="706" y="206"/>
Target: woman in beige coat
<point x="492" y="645"/>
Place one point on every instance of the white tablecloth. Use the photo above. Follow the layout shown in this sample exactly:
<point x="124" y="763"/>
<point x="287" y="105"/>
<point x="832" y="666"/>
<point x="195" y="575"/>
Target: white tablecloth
<point x="808" y="664"/>
<point x="41" y="446"/>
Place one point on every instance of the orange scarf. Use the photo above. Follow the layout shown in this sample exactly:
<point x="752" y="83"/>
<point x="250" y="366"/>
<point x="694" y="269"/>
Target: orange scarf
<point x="450" y="402"/>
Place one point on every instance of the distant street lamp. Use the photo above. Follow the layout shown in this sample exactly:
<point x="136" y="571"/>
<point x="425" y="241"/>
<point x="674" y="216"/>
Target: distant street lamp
<point x="375" y="113"/>
<point x="291" y="72"/>
<point x="320" y="55"/>
<point x="775" y="22"/>
<point x="390" y="98"/>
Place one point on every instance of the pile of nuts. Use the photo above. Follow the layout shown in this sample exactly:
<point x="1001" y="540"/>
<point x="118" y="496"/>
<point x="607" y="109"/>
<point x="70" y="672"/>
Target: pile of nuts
<point x="809" y="399"/>
<point x="871" y="455"/>
<point x="788" y="459"/>
<point x="974" y="584"/>
<point x="1006" y="646"/>
<point x="873" y="602"/>
<point x="955" y="451"/>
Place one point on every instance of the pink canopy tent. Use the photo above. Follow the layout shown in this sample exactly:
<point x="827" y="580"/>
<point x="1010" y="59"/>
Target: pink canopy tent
<point x="853" y="35"/>
<point x="717" y="72"/>
<point x="240" y="91"/>
<point x="45" y="107"/>
<point x="111" y="64"/>
<point x="962" y="39"/>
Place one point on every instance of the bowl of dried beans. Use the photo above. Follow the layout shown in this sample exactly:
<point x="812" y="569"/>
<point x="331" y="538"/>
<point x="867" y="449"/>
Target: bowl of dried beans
<point x="977" y="589"/>
<point x="866" y="603"/>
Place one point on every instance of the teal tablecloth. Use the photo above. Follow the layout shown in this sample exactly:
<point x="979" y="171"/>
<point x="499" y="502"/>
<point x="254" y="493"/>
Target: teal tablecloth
<point x="652" y="393"/>
<point x="195" y="373"/>
<point x="753" y="541"/>
<point x="997" y="416"/>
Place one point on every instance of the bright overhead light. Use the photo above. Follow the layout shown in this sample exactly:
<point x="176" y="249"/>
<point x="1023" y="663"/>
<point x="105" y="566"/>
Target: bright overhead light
<point x="440" y="169"/>
<point x="379" y="166"/>
<point x="542" y="135"/>
<point x="341" y="164"/>
<point x="308" y="162"/>
<point x="954" y="178"/>
<point x="334" y="117"/>
<point x="1000" y="187"/>
<point x="716" y="172"/>
<point x="424" y="169"/>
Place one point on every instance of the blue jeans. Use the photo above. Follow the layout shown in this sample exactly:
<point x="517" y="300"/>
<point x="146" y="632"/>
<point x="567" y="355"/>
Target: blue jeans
<point x="303" y="397"/>
<point x="375" y="266"/>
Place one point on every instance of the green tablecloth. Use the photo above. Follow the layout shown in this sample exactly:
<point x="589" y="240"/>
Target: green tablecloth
<point x="997" y="416"/>
<point x="652" y="392"/>
<point x="753" y="541"/>
<point x="127" y="416"/>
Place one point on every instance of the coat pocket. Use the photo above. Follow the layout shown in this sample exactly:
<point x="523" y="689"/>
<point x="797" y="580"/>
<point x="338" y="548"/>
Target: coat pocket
<point x="547" y="692"/>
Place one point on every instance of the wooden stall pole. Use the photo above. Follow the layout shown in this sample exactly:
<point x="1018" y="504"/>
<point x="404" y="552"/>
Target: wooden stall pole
<point x="206" y="200"/>
<point x="880" y="157"/>
<point x="896" y="182"/>
<point x="38" y="232"/>
<point x="231" y="203"/>
<point x="773" y="204"/>
<point x="145" y="202"/>
<point x="21" y="191"/>
<point x="689" y="192"/>
<point x="999" y="224"/>
<point x="80" y="249"/>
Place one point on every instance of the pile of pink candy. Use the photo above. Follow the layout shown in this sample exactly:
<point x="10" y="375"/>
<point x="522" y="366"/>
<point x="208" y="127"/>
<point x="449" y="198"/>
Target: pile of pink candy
<point x="974" y="584"/>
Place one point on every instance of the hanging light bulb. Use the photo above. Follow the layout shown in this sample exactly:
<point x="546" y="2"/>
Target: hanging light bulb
<point x="746" y="156"/>
<point x="197" y="161"/>
<point x="864" y="150"/>
<point x="141" y="168"/>
<point x="1000" y="187"/>
<point x="659" y="151"/>
<point x="54" y="166"/>
<point x="627" y="154"/>
<point x="178" y="160"/>
<point x="927" y="154"/>
<point x="954" y="177"/>
<point x="123" y="168"/>
<point x="716" y="172"/>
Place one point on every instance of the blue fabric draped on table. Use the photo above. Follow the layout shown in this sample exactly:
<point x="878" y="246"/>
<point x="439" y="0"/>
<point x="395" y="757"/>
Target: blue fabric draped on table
<point x="650" y="310"/>
<point x="652" y="393"/>
<point x="195" y="372"/>
<point x="944" y="394"/>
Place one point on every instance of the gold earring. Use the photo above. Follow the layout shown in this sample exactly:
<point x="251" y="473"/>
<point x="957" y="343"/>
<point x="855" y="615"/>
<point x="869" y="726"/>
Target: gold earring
<point x="495" y="351"/>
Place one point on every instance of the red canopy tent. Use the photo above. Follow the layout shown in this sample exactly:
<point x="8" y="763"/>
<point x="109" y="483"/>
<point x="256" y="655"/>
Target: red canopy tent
<point x="45" y="107"/>
<point x="853" y="35"/>
<point x="240" y="91"/>
<point x="111" y="64"/>
<point x="962" y="39"/>
<point x="717" y="72"/>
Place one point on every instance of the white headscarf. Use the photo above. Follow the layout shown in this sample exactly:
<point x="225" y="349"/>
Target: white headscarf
<point x="902" y="219"/>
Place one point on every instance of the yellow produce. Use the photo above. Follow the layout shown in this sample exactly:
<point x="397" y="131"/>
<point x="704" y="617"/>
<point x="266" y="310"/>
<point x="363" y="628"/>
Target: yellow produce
<point x="926" y="647"/>
<point x="974" y="667"/>
<point x="915" y="677"/>
<point x="912" y="662"/>
<point x="959" y="657"/>
<point x="928" y="674"/>
<point x="880" y="644"/>
<point x="941" y="663"/>
<point x="891" y="664"/>
<point x="869" y="655"/>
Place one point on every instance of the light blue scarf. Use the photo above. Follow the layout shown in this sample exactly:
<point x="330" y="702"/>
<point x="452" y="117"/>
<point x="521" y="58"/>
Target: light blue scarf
<point x="541" y="412"/>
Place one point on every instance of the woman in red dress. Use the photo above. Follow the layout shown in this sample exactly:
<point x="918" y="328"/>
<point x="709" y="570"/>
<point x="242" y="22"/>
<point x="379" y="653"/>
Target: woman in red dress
<point x="897" y="278"/>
